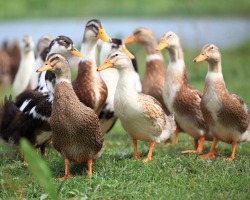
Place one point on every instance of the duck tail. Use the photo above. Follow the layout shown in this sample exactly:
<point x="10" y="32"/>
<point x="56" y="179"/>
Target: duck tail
<point x="8" y="111"/>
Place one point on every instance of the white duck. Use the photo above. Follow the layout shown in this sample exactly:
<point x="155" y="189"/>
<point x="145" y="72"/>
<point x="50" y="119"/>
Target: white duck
<point x="26" y="66"/>
<point x="107" y="117"/>
<point x="141" y="115"/>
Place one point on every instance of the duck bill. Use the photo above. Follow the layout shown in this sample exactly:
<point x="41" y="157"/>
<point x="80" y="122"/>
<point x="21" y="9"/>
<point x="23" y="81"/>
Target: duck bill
<point x="75" y="52"/>
<point x="203" y="56"/>
<point x="103" y="35"/>
<point x="162" y="45"/>
<point x="129" y="39"/>
<point x="106" y="65"/>
<point x="125" y="50"/>
<point x="45" y="67"/>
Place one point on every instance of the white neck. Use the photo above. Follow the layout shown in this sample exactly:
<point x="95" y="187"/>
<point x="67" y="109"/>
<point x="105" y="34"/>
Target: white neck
<point x="126" y="84"/>
<point x="24" y="73"/>
<point x="151" y="57"/>
<point x="88" y="48"/>
<point x="62" y="79"/>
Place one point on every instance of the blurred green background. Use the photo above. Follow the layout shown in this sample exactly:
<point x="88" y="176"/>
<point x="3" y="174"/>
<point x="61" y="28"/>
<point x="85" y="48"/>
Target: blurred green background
<point x="16" y="9"/>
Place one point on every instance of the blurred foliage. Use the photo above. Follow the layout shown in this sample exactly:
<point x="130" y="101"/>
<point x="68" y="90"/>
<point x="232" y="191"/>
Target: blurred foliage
<point x="16" y="9"/>
<point x="39" y="168"/>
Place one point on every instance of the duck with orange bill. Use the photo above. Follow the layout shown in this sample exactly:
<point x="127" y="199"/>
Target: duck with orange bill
<point x="88" y="85"/>
<point x="180" y="97"/>
<point x="227" y="115"/>
<point x="75" y="128"/>
<point x="141" y="115"/>
<point x="110" y="76"/>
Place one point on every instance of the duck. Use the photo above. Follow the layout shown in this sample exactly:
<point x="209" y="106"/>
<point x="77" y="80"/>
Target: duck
<point x="154" y="77"/>
<point x="226" y="114"/>
<point x="33" y="107"/>
<point x="75" y="128"/>
<point x="141" y="115"/>
<point x="180" y="97"/>
<point x="88" y="85"/>
<point x="5" y="70"/>
<point x="107" y="117"/>
<point x="42" y="45"/>
<point x="22" y="78"/>
<point x="12" y="48"/>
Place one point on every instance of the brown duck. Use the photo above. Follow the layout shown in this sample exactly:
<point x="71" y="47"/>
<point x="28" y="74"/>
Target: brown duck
<point x="226" y="114"/>
<point x="75" y="129"/>
<point x="88" y="86"/>
<point x="180" y="97"/>
<point x="154" y="77"/>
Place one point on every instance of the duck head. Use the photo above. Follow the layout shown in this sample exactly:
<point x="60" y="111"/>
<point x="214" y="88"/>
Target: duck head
<point x="27" y="44"/>
<point x="169" y="41"/>
<point x="210" y="53"/>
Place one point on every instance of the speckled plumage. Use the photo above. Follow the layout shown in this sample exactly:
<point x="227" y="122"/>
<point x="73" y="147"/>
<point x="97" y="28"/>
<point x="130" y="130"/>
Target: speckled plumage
<point x="226" y="114"/>
<point x="5" y="70"/>
<point x="75" y="128"/>
<point x="180" y="97"/>
<point x="76" y="133"/>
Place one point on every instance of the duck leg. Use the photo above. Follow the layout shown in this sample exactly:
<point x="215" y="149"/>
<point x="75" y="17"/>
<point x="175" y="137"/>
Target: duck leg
<point x="43" y="151"/>
<point x="90" y="167"/>
<point x="197" y="146"/>
<point x="136" y="154"/>
<point x="66" y="171"/>
<point x="211" y="153"/>
<point x="234" y="144"/>
<point x="176" y="135"/>
<point x="150" y="151"/>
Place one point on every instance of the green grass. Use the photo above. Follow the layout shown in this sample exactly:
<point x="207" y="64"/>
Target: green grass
<point x="16" y="9"/>
<point x="169" y="175"/>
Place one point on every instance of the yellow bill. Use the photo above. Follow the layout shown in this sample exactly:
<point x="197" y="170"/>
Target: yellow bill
<point x="129" y="39"/>
<point x="201" y="57"/>
<point x="107" y="64"/>
<point x="75" y="52"/>
<point x="103" y="35"/>
<point x="45" y="67"/>
<point x="162" y="45"/>
<point x="125" y="50"/>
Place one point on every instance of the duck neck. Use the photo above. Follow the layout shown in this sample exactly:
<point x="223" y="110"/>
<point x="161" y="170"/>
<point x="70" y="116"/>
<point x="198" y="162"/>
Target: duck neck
<point x="88" y="48"/>
<point x="126" y="84"/>
<point x="64" y="77"/>
<point x="175" y="54"/>
<point x="214" y="66"/>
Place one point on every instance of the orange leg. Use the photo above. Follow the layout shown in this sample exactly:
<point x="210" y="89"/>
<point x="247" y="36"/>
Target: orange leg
<point x="176" y="135"/>
<point x="211" y="153"/>
<point x="234" y="144"/>
<point x="200" y="147"/>
<point x="90" y="167"/>
<point x="66" y="172"/>
<point x="197" y="146"/>
<point x="151" y="147"/>
<point x="136" y="154"/>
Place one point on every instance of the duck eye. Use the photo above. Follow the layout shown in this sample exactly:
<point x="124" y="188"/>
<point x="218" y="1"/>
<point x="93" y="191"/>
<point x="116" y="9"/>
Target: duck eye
<point x="57" y="57"/>
<point x="116" y="54"/>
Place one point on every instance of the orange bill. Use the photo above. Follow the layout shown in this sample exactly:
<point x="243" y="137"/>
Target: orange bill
<point x="75" y="52"/>
<point x="103" y="35"/>
<point x="45" y="67"/>
<point x="203" y="56"/>
<point x="107" y="64"/>
<point x="162" y="45"/>
<point x="125" y="50"/>
<point x="129" y="39"/>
